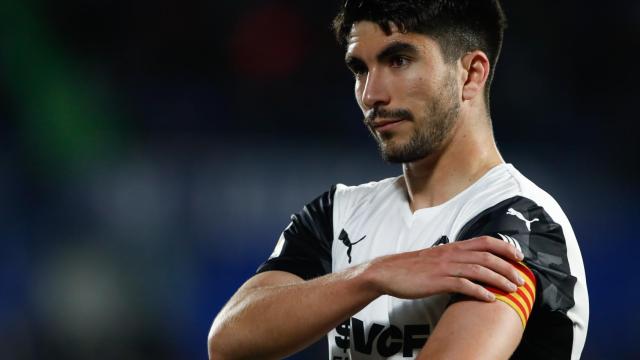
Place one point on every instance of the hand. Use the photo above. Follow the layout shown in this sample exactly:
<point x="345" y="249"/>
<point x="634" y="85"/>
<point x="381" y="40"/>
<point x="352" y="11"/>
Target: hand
<point x="450" y="268"/>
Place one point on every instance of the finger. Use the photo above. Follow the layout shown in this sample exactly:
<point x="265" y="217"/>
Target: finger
<point x="494" y="263"/>
<point x="478" y="273"/>
<point x="493" y="245"/>
<point x="466" y="287"/>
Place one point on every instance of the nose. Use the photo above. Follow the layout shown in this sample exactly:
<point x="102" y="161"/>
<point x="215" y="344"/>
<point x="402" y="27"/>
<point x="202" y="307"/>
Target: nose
<point x="375" y="92"/>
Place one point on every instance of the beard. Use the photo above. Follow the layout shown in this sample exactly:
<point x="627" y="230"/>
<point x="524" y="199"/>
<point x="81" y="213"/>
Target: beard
<point x="431" y="129"/>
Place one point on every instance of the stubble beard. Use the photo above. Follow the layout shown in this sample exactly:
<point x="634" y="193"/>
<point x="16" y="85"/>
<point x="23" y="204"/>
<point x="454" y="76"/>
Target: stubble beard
<point x="430" y="130"/>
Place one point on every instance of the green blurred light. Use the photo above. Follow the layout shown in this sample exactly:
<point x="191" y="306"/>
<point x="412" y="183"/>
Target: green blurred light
<point x="64" y="122"/>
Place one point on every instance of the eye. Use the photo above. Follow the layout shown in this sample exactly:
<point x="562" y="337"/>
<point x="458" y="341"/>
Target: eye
<point x="358" y="70"/>
<point x="356" y="66"/>
<point x="398" y="61"/>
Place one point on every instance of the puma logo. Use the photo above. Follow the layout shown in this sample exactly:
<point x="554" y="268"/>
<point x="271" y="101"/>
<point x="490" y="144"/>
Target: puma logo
<point x="344" y="237"/>
<point x="519" y="215"/>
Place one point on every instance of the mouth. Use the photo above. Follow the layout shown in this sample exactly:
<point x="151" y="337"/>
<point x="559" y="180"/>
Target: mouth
<point x="386" y="124"/>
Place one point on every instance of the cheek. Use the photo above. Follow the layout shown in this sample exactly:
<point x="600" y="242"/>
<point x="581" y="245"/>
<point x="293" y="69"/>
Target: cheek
<point x="416" y="81"/>
<point x="418" y="90"/>
<point x="416" y="86"/>
<point x="358" y="89"/>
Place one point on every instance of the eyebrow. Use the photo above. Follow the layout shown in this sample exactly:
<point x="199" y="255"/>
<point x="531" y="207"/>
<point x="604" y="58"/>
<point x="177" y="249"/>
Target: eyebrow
<point x="389" y="51"/>
<point x="396" y="48"/>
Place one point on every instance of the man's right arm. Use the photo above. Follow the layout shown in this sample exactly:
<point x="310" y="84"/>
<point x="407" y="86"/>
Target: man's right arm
<point x="276" y="313"/>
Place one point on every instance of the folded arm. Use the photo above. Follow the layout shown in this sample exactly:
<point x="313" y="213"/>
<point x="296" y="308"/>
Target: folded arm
<point x="277" y="313"/>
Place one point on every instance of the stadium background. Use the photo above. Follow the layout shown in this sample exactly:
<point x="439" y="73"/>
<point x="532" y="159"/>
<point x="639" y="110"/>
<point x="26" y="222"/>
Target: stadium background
<point x="153" y="151"/>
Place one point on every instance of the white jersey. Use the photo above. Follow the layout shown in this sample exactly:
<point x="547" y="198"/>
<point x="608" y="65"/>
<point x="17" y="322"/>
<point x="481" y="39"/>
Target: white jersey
<point x="350" y="225"/>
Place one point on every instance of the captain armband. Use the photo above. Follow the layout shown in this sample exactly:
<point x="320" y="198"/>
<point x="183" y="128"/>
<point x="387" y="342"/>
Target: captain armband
<point x="522" y="300"/>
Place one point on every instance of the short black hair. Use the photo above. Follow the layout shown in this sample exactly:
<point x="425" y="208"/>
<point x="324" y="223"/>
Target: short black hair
<point x="458" y="26"/>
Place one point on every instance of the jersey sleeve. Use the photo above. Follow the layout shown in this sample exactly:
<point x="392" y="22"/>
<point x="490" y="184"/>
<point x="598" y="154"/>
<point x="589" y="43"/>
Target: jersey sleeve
<point x="549" y="286"/>
<point x="304" y="247"/>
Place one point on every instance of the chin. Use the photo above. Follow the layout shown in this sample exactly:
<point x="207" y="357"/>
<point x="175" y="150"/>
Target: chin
<point x="393" y="154"/>
<point x="401" y="153"/>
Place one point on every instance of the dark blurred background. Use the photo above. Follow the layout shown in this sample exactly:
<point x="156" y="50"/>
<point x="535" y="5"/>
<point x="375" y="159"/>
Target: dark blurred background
<point x="153" y="151"/>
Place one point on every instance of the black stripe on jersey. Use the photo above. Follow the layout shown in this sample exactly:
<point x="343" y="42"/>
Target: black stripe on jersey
<point x="549" y="332"/>
<point x="306" y="251"/>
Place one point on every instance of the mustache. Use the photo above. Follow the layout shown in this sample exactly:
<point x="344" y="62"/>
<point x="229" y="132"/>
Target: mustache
<point x="387" y="114"/>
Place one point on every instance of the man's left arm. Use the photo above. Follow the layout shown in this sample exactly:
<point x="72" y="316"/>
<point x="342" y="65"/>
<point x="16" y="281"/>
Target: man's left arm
<point x="470" y="329"/>
<point x="493" y="331"/>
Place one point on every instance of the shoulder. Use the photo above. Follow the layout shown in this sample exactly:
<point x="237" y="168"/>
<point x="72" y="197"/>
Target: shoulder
<point x="504" y="188"/>
<point x="527" y="189"/>
<point x="512" y="208"/>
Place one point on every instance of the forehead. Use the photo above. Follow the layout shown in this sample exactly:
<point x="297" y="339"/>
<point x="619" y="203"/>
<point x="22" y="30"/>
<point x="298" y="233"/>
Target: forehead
<point x="367" y="38"/>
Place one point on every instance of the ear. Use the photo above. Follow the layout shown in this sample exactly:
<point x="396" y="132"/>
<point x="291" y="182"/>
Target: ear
<point x="475" y="72"/>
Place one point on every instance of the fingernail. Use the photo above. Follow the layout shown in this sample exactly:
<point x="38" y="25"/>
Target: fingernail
<point x="490" y="296"/>
<point x="520" y="280"/>
<point x="519" y="255"/>
<point x="512" y="287"/>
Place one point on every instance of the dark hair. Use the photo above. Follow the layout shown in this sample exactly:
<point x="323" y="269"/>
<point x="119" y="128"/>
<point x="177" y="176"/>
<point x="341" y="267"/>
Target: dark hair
<point x="458" y="26"/>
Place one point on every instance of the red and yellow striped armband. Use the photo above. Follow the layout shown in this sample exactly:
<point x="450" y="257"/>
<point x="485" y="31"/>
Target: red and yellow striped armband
<point x="522" y="300"/>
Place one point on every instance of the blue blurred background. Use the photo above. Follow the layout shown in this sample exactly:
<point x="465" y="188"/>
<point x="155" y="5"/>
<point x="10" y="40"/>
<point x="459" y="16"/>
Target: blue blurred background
<point x="153" y="151"/>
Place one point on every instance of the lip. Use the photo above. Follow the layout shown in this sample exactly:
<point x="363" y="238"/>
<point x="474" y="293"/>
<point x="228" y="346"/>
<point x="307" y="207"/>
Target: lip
<point x="387" y="124"/>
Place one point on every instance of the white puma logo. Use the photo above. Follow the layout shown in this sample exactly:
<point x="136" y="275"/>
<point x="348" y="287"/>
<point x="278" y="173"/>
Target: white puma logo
<point x="515" y="213"/>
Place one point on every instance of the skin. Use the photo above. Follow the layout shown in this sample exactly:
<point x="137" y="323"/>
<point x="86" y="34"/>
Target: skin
<point x="252" y="324"/>
<point x="474" y="330"/>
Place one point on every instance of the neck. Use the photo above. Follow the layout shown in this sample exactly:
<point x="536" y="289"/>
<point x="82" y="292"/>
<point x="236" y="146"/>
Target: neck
<point x="467" y="155"/>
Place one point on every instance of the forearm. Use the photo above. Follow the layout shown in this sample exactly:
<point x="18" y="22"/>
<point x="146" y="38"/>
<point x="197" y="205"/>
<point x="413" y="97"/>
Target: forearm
<point x="276" y="313"/>
<point x="272" y="321"/>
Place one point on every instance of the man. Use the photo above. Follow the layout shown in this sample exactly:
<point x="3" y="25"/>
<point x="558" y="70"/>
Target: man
<point x="382" y="267"/>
